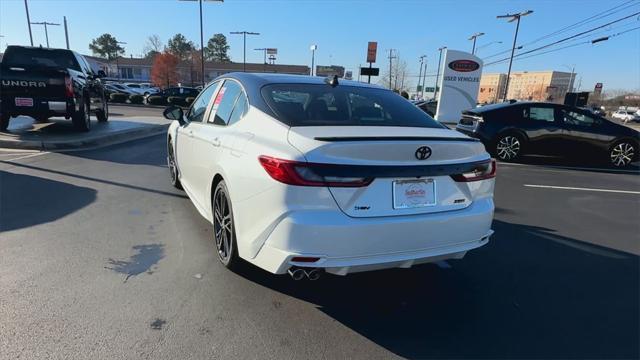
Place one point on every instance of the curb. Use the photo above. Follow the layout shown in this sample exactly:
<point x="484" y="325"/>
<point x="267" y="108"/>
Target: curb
<point x="139" y="105"/>
<point x="110" y="139"/>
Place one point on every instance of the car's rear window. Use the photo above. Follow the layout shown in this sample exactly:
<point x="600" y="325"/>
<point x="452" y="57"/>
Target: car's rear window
<point x="25" y="57"/>
<point x="324" y="105"/>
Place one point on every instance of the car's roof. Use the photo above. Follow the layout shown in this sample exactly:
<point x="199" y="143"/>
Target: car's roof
<point x="507" y="104"/>
<point x="261" y="79"/>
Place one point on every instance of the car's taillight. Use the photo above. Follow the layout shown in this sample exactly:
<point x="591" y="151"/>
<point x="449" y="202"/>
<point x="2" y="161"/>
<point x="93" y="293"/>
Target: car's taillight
<point x="303" y="174"/>
<point x="482" y="171"/>
<point x="68" y="87"/>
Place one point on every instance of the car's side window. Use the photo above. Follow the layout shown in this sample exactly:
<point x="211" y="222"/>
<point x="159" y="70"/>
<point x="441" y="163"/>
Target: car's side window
<point x="199" y="107"/>
<point x="224" y="102"/>
<point x="538" y="113"/>
<point x="240" y="109"/>
<point x="575" y="118"/>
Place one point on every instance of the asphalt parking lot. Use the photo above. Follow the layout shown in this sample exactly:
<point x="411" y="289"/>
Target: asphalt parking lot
<point x="102" y="258"/>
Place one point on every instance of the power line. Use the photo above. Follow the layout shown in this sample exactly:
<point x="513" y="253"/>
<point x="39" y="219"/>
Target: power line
<point x="568" y="38"/>
<point x="564" y="47"/>
<point x="592" y="18"/>
<point x="582" y="22"/>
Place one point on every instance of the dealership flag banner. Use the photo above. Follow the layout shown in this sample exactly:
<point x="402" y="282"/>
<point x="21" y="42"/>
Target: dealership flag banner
<point x="459" y="85"/>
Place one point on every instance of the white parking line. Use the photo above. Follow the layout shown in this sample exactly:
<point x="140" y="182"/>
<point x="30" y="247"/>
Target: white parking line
<point x="582" y="189"/>
<point x="570" y="167"/>
<point x="27" y="156"/>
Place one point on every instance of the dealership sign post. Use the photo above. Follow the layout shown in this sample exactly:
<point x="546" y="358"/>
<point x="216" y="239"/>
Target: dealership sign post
<point x="459" y="85"/>
<point x="372" y="52"/>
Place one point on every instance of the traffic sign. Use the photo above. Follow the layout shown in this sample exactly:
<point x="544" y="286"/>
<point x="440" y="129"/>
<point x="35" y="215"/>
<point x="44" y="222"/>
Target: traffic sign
<point x="372" y="51"/>
<point x="369" y="71"/>
<point x="430" y="89"/>
<point x="272" y="51"/>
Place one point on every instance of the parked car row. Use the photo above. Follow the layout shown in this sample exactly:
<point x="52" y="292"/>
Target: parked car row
<point x="626" y="115"/>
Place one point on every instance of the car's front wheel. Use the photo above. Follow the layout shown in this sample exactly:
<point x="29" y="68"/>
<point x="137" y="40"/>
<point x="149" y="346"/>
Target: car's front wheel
<point x="224" y="228"/>
<point x="173" y="169"/>
<point x="623" y="153"/>
<point x="508" y="147"/>
<point x="81" y="119"/>
<point x="103" y="114"/>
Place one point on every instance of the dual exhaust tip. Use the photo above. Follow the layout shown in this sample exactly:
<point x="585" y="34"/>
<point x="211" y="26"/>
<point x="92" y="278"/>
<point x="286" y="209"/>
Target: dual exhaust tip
<point x="298" y="274"/>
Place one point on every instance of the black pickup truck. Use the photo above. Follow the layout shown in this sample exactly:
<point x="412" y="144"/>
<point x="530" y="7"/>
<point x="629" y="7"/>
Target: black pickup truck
<point x="42" y="83"/>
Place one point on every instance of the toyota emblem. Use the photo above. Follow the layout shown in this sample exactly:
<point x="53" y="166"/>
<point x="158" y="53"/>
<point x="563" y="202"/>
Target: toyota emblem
<point x="423" y="153"/>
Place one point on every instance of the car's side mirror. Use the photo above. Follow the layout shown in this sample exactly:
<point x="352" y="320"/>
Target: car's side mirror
<point x="174" y="113"/>
<point x="101" y="74"/>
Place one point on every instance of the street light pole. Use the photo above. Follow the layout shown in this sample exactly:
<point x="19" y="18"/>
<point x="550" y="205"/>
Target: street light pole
<point x="244" y="41"/>
<point x="313" y="49"/>
<point x="424" y="75"/>
<point x="66" y="32"/>
<point x="26" y="8"/>
<point x="202" y="38"/>
<point x="474" y="37"/>
<point x="512" y="17"/>
<point x="46" y="33"/>
<point x="435" y="90"/>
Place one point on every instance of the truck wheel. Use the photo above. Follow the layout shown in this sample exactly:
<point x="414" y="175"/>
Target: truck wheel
<point x="80" y="119"/>
<point x="103" y="115"/>
<point x="4" y="122"/>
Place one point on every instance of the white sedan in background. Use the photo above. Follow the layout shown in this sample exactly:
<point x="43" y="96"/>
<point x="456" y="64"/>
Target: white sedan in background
<point x="626" y="115"/>
<point x="303" y="175"/>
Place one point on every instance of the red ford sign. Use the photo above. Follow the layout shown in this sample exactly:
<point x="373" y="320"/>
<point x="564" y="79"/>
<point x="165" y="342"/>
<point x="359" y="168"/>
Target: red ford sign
<point x="464" y="65"/>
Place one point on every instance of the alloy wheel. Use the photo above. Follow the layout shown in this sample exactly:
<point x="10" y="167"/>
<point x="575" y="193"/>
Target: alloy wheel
<point x="622" y="154"/>
<point x="508" y="147"/>
<point x="223" y="226"/>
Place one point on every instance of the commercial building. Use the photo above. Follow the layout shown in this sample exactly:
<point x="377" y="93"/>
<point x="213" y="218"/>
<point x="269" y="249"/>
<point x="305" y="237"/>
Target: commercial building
<point x="491" y="88"/>
<point x="139" y="69"/>
<point x="550" y="86"/>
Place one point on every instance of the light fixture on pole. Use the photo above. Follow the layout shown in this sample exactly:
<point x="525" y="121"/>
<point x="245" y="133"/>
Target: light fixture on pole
<point x="512" y="18"/>
<point x="313" y="49"/>
<point x="435" y="90"/>
<point x="202" y="38"/>
<point x="46" y="33"/>
<point x="474" y="37"/>
<point x="244" y="41"/>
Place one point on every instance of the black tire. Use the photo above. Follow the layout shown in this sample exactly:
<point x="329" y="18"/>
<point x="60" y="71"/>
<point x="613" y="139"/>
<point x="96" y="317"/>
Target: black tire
<point x="103" y="114"/>
<point x="173" y="169"/>
<point x="81" y="119"/>
<point x="41" y="119"/>
<point x="623" y="153"/>
<point x="4" y="122"/>
<point x="508" y="147"/>
<point x="224" y="232"/>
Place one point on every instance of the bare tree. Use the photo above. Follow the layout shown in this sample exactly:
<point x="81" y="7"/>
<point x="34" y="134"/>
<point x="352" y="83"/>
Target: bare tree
<point x="153" y="46"/>
<point x="400" y="78"/>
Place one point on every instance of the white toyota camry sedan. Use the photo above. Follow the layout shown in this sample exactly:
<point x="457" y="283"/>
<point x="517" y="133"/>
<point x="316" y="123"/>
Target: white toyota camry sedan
<point x="307" y="175"/>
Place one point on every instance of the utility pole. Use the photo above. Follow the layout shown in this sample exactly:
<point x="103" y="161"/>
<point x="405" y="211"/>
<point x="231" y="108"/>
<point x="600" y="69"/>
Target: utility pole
<point x="418" y="88"/>
<point x="202" y="38"/>
<point x="244" y="41"/>
<point x="26" y="8"/>
<point x="46" y="33"/>
<point x="571" y="77"/>
<point x="391" y="57"/>
<point x="512" y="17"/>
<point x="66" y="32"/>
<point x="313" y="49"/>
<point x="435" y="90"/>
<point x="424" y="75"/>
<point x="474" y="37"/>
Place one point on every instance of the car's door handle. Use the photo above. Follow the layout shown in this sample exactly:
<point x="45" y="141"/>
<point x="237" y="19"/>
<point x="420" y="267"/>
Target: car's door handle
<point x="215" y="142"/>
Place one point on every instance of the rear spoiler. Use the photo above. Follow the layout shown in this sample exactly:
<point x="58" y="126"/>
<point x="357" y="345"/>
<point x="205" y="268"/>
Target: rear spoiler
<point x="394" y="138"/>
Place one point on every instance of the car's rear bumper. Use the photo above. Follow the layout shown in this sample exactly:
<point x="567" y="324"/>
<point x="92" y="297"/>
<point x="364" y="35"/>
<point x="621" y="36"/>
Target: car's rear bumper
<point x="41" y="106"/>
<point x="344" y="244"/>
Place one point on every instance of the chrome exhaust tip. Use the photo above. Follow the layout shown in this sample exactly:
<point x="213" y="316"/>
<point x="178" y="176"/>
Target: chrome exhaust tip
<point x="314" y="274"/>
<point x="296" y="274"/>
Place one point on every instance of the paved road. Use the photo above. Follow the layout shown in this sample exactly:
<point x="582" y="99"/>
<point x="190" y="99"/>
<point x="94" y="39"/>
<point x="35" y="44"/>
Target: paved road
<point x="103" y="259"/>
